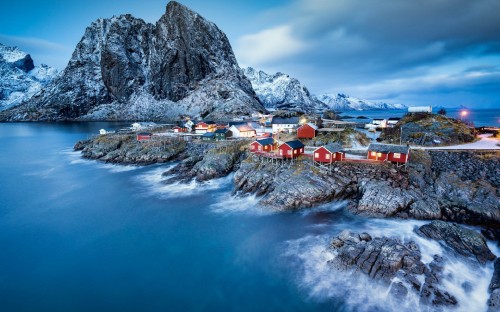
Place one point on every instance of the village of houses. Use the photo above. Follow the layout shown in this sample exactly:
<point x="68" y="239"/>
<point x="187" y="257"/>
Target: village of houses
<point x="281" y="138"/>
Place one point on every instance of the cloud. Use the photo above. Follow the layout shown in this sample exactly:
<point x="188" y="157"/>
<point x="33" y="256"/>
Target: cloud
<point x="389" y="48"/>
<point x="269" y="45"/>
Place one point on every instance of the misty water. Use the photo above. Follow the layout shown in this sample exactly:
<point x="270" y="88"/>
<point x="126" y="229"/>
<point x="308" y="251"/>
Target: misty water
<point x="79" y="235"/>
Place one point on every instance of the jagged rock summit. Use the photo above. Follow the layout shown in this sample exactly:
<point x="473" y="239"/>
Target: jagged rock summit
<point x="280" y="91"/>
<point x="20" y="79"/>
<point x="124" y="68"/>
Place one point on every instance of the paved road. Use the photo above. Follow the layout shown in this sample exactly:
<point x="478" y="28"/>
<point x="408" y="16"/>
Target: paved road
<point x="486" y="142"/>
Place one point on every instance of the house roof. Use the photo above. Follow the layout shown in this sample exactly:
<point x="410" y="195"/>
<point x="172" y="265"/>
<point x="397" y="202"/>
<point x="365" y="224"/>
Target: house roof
<point x="294" y="144"/>
<point x="268" y="141"/>
<point x="144" y="133"/>
<point x="311" y="125"/>
<point x="388" y="148"/>
<point x="244" y="128"/>
<point x="333" y="147"/>
<point x="285" y="121"/>
<point x="394" y="118"/>
<point x="208" y="134"/>
<point x="225" y="130"/>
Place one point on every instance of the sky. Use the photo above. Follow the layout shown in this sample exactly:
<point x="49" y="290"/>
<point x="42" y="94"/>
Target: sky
<point x="426" y="52"/>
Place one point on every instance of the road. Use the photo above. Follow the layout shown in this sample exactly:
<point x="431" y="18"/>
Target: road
<point x="486" y="142"/>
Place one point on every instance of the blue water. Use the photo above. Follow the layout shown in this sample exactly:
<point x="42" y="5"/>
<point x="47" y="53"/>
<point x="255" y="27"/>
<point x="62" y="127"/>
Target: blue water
<point x="79" y="235"/>
<point x="479" y="117"/>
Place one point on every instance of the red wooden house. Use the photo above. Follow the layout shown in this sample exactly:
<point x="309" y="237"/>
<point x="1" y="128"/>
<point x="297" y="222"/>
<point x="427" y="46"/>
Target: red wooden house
<point x="263" y="145"/>
<point x="389" y="152"/>
<point x="144" y="136"/>
<point x="329" y="153"/>
<point x="178" y="129"/>
<point x="291" y="149"/>
<point x="307" y="131"/>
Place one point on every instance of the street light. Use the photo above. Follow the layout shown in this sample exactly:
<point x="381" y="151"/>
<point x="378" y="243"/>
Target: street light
<point x="463" y="114"/>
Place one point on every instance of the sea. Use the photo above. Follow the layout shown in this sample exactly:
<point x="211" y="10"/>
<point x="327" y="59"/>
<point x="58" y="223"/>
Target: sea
<point x="81" y="235"/>
<point x="478" y="117"/>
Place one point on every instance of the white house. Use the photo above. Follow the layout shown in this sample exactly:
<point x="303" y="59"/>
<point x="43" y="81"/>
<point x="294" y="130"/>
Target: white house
<point x="420" y="109"/>
<point x="102" y="131"/>
<point x="243" y="131"/>
<point x="280" y="124"/>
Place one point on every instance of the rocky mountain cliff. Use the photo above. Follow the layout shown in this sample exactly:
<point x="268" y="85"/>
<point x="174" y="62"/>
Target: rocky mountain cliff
<point x="280" y="91"/>
<point x="125" y="68"/>
<point x="20" y="78"/>
<point x="343" y="102"/>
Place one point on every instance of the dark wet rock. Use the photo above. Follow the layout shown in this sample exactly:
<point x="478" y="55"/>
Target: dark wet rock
<point x="464" y="241"/>
<point x="494" y="289"/>
<point x="125" y="149"/>
<point x="208" y="161"/>
<point x="384" y="259"/>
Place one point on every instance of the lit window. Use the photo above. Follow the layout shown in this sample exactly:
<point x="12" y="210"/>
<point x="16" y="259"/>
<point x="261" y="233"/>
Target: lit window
<point x="397" y="155"/>
<point x="289" y="152"/>
<point x="379" y="154"/>
<point x="295" y="152"/>
<point x="374" y="154"/>
<point x="327" y="156"/>
<point x="316" y="155"/>
<point x="281" y="152"/>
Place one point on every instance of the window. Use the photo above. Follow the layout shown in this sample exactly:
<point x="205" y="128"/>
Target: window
<point x="295" y="152"/>
<point x="289" y="152"/>
<point x="397" y="155"/>
<point x="327" y="156"/>
<point x="379" y="154"/>
<point x="281" y="152"/>
<point x="260" y="148"/>
<point x="373" y="154"/>
<point x="316" y="155"/>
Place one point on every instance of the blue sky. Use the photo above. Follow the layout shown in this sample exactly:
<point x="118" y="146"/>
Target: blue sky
<point x="425" y="52"/>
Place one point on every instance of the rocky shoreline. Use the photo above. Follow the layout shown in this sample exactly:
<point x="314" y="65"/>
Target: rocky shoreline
<point x="442" y="187"/>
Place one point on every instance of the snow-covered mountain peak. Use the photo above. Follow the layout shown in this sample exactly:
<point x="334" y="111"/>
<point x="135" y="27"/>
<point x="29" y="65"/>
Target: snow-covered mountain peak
<point x="280" y="91"/>
<point x="19" y="78"/>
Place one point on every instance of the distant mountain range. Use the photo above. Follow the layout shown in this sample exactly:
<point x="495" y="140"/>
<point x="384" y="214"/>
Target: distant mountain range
<point x="20" y="79"/>
<point x="343" y="102"/>
<point x="280" y="91"/>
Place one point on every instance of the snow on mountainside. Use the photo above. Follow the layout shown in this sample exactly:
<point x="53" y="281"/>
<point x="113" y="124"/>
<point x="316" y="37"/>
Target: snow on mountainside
<point x="19" y="78"/>
<point x="124" y="68"/>
<point x="343" y="102"/>
<point x="280" y="91"/>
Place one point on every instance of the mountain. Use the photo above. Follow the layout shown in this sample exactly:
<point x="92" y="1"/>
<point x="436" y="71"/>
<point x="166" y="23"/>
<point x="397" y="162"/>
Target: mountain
<point x="124" y="68"/>
<point x="20" y="79"/>
<point x="343" y="102"/>
<point x="280" y="91"/>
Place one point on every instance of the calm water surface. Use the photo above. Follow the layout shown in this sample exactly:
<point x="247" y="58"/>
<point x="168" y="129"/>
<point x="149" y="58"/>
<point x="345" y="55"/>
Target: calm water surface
<point x="79" y="235"/>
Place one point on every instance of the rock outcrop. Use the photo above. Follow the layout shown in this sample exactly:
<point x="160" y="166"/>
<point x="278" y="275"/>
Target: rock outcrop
<point x="428" y="130"/>
<point x="382" y="190"/>
<point x="125" y="149"/>
<point x="20" y="79"/>
<point x="206" y="161"/>
<point x="124" y="68"/>
<point x="463" y="241"/>
<point x="384" y="259"/>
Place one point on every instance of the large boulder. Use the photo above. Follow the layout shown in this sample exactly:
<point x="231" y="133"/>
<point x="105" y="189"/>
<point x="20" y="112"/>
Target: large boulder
<point x="464" y="241"/>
